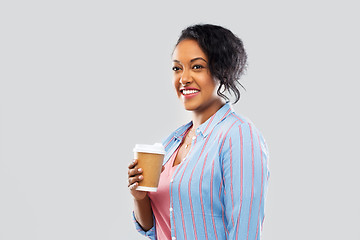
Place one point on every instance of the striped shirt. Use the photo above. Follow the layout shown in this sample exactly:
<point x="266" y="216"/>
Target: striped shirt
<point x="218" y="191"/>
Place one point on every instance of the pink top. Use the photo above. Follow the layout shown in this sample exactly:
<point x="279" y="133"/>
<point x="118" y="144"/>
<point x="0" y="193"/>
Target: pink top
<point x="160" y="200"/>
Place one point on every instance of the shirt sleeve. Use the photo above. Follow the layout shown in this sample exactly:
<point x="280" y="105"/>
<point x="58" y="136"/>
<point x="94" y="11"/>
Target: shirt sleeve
<point x="151" y="233"/>
<point x="245" y="175"/>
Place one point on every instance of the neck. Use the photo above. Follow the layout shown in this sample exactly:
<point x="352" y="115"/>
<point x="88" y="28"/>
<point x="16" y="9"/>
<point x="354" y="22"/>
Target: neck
<point x="200" y="116"/>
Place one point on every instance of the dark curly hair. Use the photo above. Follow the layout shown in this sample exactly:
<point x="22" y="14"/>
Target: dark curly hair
<point x="226" y="54"/>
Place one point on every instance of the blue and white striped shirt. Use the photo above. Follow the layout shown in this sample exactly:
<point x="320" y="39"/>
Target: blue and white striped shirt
<point x="218" y="191"/>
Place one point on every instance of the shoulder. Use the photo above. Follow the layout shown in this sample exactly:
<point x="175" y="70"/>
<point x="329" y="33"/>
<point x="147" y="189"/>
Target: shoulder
<point x="240" y="134"/>
<point x="236" y="125"/>
<point x="232" y="123"/>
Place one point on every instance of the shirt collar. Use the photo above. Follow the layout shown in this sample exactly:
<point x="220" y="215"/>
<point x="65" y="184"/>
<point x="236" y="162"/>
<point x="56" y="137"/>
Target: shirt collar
<point x="205" y="128"/>
<point x="209" y="124"/>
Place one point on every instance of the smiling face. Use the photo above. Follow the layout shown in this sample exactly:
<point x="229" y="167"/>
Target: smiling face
<point x="193" y="82"/>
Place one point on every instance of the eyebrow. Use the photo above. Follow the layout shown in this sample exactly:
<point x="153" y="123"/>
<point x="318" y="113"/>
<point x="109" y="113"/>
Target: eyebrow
<point x="192" y="60"/>
<point x="198" y="58"/>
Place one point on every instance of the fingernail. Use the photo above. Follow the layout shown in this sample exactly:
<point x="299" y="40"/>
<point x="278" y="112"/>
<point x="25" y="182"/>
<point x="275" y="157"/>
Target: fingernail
<point x="141" y="177"/>
<point x="140" y="169"/>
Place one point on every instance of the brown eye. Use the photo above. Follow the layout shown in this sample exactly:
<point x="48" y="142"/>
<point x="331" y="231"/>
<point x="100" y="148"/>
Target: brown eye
<point x="175" y="69"/>
<point x="197" y="67"/>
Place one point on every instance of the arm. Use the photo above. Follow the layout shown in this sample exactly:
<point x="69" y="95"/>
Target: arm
<point x="244" y="161"/>
<point x="143" y="216"/>
<point x="143" y="213"/>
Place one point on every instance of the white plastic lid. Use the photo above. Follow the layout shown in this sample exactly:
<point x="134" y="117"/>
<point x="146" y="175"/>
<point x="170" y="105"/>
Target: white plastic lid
<point x="156" y="148"/>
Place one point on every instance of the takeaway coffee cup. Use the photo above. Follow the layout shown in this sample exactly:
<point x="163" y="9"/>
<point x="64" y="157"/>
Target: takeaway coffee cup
<point x="150" y="159"/>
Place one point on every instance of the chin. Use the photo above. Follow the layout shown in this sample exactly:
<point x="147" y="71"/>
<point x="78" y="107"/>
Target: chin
<point x="187" y="106"/>
<point x="190" y="107"/>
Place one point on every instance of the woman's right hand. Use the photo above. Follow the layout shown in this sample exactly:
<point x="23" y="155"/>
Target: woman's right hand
<point x="134" y="177"/>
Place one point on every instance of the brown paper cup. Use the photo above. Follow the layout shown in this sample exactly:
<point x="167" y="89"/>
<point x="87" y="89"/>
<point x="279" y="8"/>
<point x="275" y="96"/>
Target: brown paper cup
<point x="150" y="159"/>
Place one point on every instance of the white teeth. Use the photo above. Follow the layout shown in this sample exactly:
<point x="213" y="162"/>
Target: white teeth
<point x="186" y="92"/>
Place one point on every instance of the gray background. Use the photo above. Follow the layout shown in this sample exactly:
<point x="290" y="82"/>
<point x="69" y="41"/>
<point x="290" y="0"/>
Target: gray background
<point x="83" y="81"/>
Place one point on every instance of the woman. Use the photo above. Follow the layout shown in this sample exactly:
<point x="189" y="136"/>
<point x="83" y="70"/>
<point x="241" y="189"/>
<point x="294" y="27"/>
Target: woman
<point x="215" y="173"/>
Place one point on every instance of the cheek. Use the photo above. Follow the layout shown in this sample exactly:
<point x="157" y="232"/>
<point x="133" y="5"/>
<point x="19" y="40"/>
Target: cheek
<point x="216" y="86"/>
<point x="209" y="85"/>
<point x="176" y="84"/>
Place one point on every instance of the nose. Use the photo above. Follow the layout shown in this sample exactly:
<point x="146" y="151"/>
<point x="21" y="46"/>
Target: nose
<point x="185" y="78"/>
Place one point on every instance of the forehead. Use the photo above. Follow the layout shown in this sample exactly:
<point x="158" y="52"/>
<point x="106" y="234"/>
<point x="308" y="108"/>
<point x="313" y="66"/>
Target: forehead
<point x="188" y="49"/>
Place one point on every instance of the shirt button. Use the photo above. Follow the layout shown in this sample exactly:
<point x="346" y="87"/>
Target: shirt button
<point x="171" y="209"/>
<point x="194" y="137"/>
<point x="172" y="180"/>
<point x="173" y="238"/>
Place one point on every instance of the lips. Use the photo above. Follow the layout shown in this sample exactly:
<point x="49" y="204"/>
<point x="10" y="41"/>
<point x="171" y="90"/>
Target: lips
<point x="189" y="92"/>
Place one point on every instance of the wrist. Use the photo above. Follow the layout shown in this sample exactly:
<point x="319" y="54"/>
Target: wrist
<point x="140" y="199"/>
